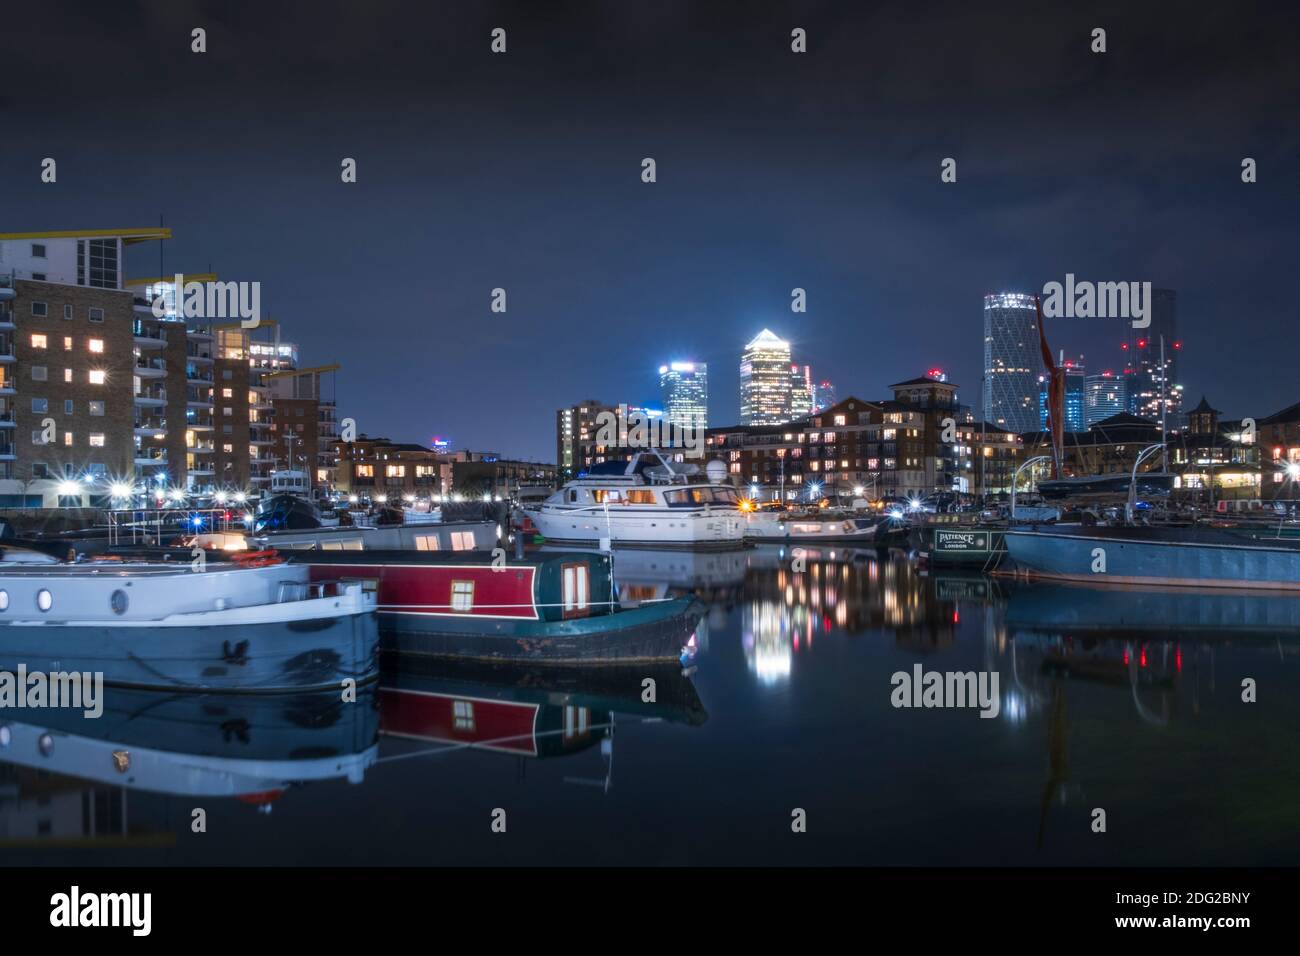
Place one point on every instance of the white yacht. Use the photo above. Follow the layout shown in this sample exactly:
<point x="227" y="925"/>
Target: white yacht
<point x="646" y="502"/>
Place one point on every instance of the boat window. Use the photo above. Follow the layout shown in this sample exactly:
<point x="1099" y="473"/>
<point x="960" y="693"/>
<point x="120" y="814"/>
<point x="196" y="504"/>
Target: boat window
<point x="678" y="498"/>
<point x="462" y="595"/>
<point x="426" y="542"/>
<point x="601" y="495"/>
<point x="44" y="599"/>
<point x="573" y="496"/>
<point x="118" y="601"/>
<point x="726" y="496"/>
<point x="577" y="590"/>
<point x="4" y="600"/>
<point x="462" y="540"/>
<point x="641" y="496"/>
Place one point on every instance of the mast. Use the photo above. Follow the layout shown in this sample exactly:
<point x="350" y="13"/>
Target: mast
<point x="1164" y="373"/>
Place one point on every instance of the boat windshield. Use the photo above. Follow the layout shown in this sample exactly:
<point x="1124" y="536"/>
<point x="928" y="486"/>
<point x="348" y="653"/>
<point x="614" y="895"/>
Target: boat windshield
<point x="692" y="497"/>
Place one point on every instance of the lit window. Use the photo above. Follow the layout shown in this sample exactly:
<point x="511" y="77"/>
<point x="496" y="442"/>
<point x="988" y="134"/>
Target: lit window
<point x="462" y="541"/>
<point x="97" y="376"/>
<point x="97" y="408"/>
<point x="96" y="439"/>
<point x="67" y="343"/>
<point x="462" y="595"/>
<point x="67" y="439"/>
<point x="227" y="393"/>
<point x="463" y="714"/>
<point x="67" y="375"/>
<point x="96" y="345"/>
<point x="39" y="342"/>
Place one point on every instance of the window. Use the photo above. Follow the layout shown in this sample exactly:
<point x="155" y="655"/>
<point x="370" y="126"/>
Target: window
<point x="462" y="541"/>
<point x="97" y="376"/>
<point x="67" y="406"/>
<point x="97" y="408"/>
<point x="40" y="374"/>
<point x="96" y="315"/>
<point x="38" y="276"/>
<point x="96" y="345"/>
<point x="228" y="449"/>
<point x="463" y="715"/>
<point x="395" y="471"/>
<point x="67" y="439"/>
<point x="227" y="411"/>
<point x="67" y="312"/>
<point x="67" y="375"/>
<point x="39" y="470"/>
<point x="365" y="471"/>
<point x="40" y="308"/>
<point x="103" y="263"/>
<point x="38" y="438"/>
<point x="226" y="375"/>
<point x="227" y="393"/>
<point x="38" y="250"/>
<point x="577" y="590"/>
<point x="96" y="439"/>
<point x="227" y="429"/>
<point x="67" y="343"/>
<point x="462" y="595"/>
<point x="641" y="496"/>
<point x="40" y="406"/>
<point x="427" y="542"/>
<point x="39" y="342"/>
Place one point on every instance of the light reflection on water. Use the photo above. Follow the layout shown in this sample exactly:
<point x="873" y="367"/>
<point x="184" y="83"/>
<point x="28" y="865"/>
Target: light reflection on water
<point x="1128" y="701"/>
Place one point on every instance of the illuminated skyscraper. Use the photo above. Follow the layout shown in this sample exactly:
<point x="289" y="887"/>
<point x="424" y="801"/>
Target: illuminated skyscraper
<point x="823" y="396"/>
<point x="1012" y="362"/>
<point x="1149" y="383"/>
<point x="684" y="388"/>
<point x="802" y="399"/>
<point x="1104" y="395"/>
<point x="765" y="392"/>
<point x="1075" y="386"/>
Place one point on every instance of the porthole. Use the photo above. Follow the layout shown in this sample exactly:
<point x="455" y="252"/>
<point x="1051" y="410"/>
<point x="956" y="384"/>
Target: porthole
<point x="4" y="600"/>
<point x="118" y="601"/>
<point x="44" y="599"/>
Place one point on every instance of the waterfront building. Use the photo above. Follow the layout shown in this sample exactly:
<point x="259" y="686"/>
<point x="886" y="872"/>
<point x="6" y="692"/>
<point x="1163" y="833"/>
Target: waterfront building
<point x="765" y="381"/>
<point x="1212" y="460"/>
<point x="988" y="459"/>
<point x="92" y="383"/>
<point x="1012" y="362"/>
<point x="576" y="430"/>
<point x="381" y="470"/>
<point x="684" y="390"/>
<point x="1278" y="437"/>
<point x="1104" y="395"/>
<point x="854" y="447"/>
<point x="304" y="423"/>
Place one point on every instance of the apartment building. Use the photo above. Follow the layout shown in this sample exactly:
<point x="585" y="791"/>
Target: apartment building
<point x="85" y="371"/>
<point x="380" y="469"/>
<point x="893" y="447"/>
<point x="304" y="424"/>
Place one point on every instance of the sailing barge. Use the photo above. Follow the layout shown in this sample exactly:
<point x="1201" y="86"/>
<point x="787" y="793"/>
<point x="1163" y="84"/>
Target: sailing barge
<point x="555" y="608"/>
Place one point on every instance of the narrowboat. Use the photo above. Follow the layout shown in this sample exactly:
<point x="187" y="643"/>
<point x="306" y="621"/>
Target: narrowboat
<point x="1156" y="556"/>
<point x="252" y="624"/>
<point x="550" y="608"/>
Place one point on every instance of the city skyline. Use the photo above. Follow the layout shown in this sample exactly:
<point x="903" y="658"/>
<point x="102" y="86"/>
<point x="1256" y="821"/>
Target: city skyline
<point x="831" y="184"/>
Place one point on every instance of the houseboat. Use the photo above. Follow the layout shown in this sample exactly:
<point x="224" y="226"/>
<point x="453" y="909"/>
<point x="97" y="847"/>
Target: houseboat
<point x="547" y="609"/>
<point x="1156" y="556"/>
<point x="244" y="623"/>
<point x="646" y="502"/>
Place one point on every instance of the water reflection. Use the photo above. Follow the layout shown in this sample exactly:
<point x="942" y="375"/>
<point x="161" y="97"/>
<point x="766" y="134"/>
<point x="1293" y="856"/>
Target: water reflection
<point x="1126" y="699"/>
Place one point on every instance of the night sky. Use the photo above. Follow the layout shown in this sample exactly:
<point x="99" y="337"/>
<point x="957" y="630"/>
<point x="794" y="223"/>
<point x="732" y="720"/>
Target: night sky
<point x="775" y="170"/>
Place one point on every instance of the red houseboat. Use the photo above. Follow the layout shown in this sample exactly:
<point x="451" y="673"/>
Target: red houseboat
<point x="553" y="608"/>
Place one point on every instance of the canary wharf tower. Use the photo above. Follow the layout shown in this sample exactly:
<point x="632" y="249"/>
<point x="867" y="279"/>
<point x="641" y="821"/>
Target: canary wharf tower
<point x="765" y="386"/>
<point x="1012" y="362"/>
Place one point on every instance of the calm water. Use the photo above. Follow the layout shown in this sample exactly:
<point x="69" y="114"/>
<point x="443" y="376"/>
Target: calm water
<point x="1126" y="701"/>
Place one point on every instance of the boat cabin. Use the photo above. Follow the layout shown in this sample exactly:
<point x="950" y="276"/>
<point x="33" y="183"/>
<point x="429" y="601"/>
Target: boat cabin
<point x="550" y="587"/>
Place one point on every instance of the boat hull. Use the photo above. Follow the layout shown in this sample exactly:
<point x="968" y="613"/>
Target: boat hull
<point x="646" y="529"/>
<point x="268" y="657"/>
<point x="652" y="632"/>
<point x="1150" y="558"/>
